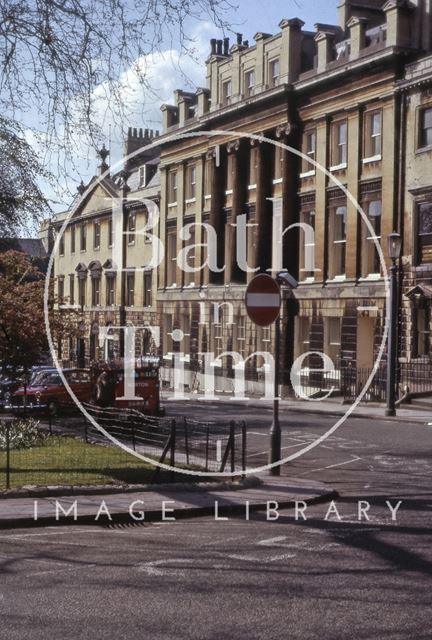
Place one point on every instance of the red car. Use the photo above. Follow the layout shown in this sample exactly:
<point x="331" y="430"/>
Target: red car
<point x="47" y="394"/>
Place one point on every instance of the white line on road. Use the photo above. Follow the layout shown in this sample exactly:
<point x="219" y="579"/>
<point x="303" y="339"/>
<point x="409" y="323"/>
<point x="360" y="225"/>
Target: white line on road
<point x="48" y="571"/>
<point x="332" y="466"/>
<point x="271" y="541"/>
<point x="292" y="446"/>
<point x="157" y="568"/>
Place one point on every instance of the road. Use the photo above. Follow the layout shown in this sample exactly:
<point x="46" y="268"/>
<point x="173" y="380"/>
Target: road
<point x="364" y="457"/>
<point x="200" y="579"/>
<point x="308" y="579"/>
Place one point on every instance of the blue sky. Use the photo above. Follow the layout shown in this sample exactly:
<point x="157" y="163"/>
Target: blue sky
<point x="168" y="70"/>
<point x="259" y="15"/>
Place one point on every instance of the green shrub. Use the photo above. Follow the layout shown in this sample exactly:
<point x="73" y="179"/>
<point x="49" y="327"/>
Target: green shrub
<point x="23" y="434"/>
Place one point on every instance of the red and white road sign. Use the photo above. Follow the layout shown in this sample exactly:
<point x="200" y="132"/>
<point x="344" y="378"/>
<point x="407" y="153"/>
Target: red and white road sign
<point x="263" y="300"/>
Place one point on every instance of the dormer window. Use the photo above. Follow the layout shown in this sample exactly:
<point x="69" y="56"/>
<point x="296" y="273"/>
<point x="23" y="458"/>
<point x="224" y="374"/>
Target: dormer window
<point x="249" y="82"/>
<point x="142" y="176"/>
<point x="226" y="92"/>
<point x="274" y="72"/>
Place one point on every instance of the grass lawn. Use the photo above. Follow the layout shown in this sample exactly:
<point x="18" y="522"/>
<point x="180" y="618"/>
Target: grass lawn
<point x="68" y="461"/>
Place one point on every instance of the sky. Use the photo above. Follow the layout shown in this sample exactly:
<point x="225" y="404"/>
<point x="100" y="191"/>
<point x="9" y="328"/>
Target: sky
<point x="168" y="70"/>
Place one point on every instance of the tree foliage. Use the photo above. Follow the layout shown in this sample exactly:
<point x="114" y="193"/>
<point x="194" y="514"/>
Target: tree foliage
<point x="23" y="341"/>
<point x="21" y="200"/>
<point x="58" y="60"/>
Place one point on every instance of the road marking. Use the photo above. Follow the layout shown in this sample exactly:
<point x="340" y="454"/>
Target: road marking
<point x="48" y="571"/>
<point x="271" y="541"/>
<point x="152" y="568"/>
<point x="291" y="446"/>
<point x="256" y="560"/>
<point x="332" y="466"/>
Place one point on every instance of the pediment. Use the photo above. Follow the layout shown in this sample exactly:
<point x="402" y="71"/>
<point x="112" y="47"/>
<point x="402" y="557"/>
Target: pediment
<point x="97" y="197"/>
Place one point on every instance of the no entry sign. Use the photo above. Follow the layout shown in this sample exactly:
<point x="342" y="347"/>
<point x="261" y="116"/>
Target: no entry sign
<point x="263" y="300"/>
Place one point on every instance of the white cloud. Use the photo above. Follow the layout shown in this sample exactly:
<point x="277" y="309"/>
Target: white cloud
<point x="164" y="72"/>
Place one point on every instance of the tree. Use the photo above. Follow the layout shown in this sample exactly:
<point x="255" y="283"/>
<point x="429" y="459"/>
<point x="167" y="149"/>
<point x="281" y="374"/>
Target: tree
<point x="23" y="340"/>
<point x="58" y="58"/>
<point x="21" y="198"/>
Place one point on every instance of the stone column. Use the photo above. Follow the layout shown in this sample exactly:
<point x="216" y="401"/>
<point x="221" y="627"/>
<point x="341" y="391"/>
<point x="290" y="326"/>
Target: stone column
<point x="217" y="219"/>
<point x="287" y="134"/>
<point x="260" y="237"/>
<point x="239" y="167"/>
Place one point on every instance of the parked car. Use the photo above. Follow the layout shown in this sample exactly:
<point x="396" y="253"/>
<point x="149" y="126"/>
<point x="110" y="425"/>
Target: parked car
<point x="47" y="394"/>
<point x="7" y="387"/>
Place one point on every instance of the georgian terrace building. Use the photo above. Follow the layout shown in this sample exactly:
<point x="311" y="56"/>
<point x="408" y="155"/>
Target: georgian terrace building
<point x="107" y="287"/>
<point x="337" y="96"/>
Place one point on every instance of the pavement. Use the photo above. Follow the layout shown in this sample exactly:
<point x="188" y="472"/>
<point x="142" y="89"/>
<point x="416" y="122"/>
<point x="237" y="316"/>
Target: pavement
<point x="411" y="413"/>
<point x="163" y="503"/>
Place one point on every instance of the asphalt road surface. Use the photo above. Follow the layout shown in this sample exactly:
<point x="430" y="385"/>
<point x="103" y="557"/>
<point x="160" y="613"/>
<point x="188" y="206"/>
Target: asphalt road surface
<point x="201" y="579"/>
<point x="325" y="579"/>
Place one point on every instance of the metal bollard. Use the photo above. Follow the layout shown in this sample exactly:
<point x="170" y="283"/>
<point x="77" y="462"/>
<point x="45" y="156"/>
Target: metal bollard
<point x="8" y="455"/>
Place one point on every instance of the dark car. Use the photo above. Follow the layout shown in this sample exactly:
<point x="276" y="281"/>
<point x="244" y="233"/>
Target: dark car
<point x="46" y="392"/>
<point x="7" y="388"/>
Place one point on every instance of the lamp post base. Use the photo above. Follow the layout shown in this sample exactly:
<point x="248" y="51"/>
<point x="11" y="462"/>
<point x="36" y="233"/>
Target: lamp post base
<point x="390" y="412"/>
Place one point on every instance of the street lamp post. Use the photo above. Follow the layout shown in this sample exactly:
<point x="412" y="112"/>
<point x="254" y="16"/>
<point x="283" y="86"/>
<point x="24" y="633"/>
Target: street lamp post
<point x="394" y="251"/>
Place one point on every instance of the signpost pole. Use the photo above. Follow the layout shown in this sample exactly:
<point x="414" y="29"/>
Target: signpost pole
<point x="263" y="304"/>
<point x="275" y="429"/>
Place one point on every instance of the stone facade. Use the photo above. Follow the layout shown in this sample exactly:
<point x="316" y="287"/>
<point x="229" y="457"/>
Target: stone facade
<point x="290" y="133"/>
<point x="101" y="254"/>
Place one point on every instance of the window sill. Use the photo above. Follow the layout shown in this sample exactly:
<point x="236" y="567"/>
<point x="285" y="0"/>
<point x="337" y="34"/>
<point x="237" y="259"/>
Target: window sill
<point x="420" y="150"/>
<point x="207" y="197"/>
<point x="339" y="167"/>
<point x="172" y="204"/>
<point x="229" y="192"/>
<point x="278" y="181"/>
<point x="190" y="200"/>
<point x="309" y="280"/>
<point x="371" y="277"/>
<point x="309" y="174"/>
<point x="377" y="158"/>
<point x="252" y="187"/>
<point x="336" y="279"/>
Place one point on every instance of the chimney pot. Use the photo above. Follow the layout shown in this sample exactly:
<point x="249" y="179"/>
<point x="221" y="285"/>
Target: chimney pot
<point x="239" y="38"/>
<point x="140" y="133"/>
<point x="135" y="133"/>
<point x="213" y="46"/>
<point x="226" y="46"/>
<point x="219" y="47"/>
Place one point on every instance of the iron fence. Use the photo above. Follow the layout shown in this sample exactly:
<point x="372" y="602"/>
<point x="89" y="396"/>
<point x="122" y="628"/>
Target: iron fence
<point x="72" y="451"/>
